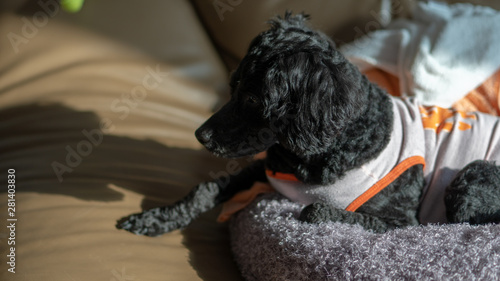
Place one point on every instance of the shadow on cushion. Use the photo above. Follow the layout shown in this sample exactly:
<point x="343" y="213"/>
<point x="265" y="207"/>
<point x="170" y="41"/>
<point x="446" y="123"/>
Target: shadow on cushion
<point x="59" y="150"/>
<point x="36" y="135"/>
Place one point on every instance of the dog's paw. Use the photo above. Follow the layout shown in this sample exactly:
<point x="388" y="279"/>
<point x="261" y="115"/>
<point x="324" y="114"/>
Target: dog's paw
<point x="319" y="212"/>
<point x="150" y="223"/>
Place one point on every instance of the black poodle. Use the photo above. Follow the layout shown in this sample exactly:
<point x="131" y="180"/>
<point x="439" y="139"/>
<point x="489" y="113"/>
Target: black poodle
<point x="337" y="143"/>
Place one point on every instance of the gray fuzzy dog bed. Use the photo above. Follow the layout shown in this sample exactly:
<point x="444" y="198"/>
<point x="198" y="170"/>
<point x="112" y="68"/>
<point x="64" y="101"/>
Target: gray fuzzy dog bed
<point x="269" y="243"/>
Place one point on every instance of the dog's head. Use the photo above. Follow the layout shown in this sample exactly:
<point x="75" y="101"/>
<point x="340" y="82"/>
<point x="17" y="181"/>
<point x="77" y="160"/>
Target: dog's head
<point x="293" y="88"/>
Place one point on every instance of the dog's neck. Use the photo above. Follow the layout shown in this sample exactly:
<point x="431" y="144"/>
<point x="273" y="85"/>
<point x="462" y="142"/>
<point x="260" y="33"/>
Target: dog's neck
<point x="362" y="140"/>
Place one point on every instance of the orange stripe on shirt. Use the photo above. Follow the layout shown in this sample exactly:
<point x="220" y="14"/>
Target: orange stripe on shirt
<point x="242" y="199"/>
<point x="281" y="176"/>
<point x="385" y="181"/>
<point x="372" y="191"/>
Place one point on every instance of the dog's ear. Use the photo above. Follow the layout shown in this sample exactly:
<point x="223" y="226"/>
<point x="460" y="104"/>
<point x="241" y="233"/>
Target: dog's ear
<point x="313" y="96"/>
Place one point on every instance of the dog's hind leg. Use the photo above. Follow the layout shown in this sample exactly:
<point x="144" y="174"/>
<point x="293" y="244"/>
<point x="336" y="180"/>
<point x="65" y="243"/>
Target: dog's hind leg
<point x="474" y="195"/>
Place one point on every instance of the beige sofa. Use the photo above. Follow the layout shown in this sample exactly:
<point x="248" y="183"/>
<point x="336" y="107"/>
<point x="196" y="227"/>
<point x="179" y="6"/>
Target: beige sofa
<point x="97" y="115"/>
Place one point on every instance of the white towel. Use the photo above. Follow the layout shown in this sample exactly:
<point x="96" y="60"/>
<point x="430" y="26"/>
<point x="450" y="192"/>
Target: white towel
<point x="439" y="55"/>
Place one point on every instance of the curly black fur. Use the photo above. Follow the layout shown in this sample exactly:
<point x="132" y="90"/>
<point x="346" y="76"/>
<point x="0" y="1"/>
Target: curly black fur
<point x="318" y="117"/>
<point x="202" y="198"/>
<point x="157" y="221"/>
<point x="473" y="196"/>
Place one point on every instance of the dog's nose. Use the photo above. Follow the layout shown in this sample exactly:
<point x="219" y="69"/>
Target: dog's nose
<point x="204" y="135"/>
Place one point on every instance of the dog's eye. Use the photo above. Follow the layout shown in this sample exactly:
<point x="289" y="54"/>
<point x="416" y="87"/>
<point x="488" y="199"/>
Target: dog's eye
<point x="234" y="84"/>
<point x="252" y="99"/>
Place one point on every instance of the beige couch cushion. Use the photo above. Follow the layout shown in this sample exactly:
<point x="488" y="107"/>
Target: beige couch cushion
<point x="234" y="23"/>
<point x="95" y="131"/>
<point x="169" y="31"/>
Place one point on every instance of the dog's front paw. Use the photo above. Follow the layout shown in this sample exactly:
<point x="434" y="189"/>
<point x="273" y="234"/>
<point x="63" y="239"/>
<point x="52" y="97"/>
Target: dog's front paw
<point x="151" y="223"/>
<point x="319" y="212"/>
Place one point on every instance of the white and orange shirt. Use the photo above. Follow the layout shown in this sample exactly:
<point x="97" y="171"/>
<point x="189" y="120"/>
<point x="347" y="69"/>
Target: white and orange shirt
<point x="442" y="140"/>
